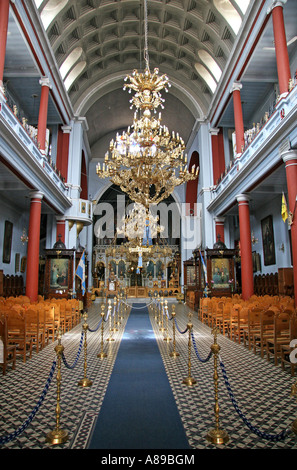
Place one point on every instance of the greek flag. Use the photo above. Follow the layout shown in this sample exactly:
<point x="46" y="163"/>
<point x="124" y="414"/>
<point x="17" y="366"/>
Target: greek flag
<point x="204" y="268"/>
<point x="81" y="272"/>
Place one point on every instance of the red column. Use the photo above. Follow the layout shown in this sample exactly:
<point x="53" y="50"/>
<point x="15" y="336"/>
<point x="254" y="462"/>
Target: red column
<point x="218" y="154"/>
<point x="290" y="159"/>
<point x="247" y="279"/>
<point x="42" y="118"/>
<point x="238" y="117"/>
<point x="33" y="246"/>
<point x="60" y="229"/>
<point x="281" y="50"/>
<point x="4" y="14"/>
<point x="63" y="150"/>
<point x="220" y="228"/>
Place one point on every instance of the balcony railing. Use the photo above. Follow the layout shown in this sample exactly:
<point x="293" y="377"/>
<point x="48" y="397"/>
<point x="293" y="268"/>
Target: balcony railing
<point x="282" y="109"/>
<point x="23" y="131"/>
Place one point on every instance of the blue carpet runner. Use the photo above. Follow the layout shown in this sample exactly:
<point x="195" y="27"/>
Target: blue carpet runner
<point x="138" y="410"/>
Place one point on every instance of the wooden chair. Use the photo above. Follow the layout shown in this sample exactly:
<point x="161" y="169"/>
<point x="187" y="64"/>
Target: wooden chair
<point x="254" y="315"/>
<point x="240" y="324"/>
<point x="223" y="322"/>
<point x="9" y="350"/>
<point x="265" y="331"/>
<point x="35" y="327"/>
<point x="281" y="336"/>
<point x="18" y="335"/>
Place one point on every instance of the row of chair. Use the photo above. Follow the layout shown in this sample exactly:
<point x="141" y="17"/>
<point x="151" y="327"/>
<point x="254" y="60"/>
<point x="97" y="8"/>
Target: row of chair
<point x="264" y="325"/>
<point x="27" y="327"/>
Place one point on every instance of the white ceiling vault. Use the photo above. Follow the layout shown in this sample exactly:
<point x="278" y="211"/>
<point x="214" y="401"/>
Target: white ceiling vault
<point x="96" y="43"/>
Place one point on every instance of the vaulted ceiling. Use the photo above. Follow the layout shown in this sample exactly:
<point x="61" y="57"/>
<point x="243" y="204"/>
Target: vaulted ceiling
<point x="96" y="43"/>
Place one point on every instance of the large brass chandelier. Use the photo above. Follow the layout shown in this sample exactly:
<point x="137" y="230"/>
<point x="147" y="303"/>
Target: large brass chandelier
<point x="147" y="161"/>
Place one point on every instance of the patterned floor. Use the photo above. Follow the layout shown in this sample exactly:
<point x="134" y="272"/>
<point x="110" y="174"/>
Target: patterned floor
<point x="262" y="391"/>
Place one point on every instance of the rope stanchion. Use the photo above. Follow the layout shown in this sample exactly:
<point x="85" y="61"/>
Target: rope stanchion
<point x="114" y="315"/>
<point x="189" y="380"/>
<point x="102" y="354"/>
<point x="58" y="435"/>
<point x="85" y="382"/>
<point x="110" y="338"/>
<point x="173" y="353"/>
<point x="167" y="337"/>
<point x="216" y="435"/>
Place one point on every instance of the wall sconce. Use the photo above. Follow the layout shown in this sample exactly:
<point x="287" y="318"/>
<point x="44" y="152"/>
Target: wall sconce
<point x="254" y="240"/>
<point x="24" y="237"/>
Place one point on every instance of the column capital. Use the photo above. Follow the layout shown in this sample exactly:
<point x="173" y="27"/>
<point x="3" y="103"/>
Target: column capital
<point x="214" y="131"/>
<point x="242" y="198"/>
<point x="274" y="4"/>
<point x="36" y="195"/>
<point x="66" y="129"/>
<point x="289" y="155"/>
<point x="236" y="87"/>
<point x="220" y="220"/>
<point x="44" y="81"/>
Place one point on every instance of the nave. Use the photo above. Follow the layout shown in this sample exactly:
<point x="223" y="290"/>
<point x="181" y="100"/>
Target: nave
<point x="261" y="390"/>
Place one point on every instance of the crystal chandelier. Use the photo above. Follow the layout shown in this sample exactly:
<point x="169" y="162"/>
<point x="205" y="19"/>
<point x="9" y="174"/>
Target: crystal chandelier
<point x="147" y="161"/>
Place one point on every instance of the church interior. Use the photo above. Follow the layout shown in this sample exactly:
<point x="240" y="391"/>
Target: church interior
<point x="148" y="283"/>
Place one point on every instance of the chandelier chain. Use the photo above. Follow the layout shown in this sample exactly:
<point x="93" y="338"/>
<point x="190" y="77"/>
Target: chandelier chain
<point x="146" y="53"/>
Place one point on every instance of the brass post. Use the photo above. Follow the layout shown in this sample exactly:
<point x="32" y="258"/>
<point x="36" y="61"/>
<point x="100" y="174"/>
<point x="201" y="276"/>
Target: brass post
<point x="167" y="338"/>
<point x="174" y="353"/>
<point x="115" y="313"/>
<point x="102" y="354"/>
<point x="159" y="308"/>
<point x="189" y="380"/>
<point x="117" y="310"/>
<point x="110" y="327"/>
<point x="121" y="306"/>
<point x="57" y="435"/>
<point x="85" y="382"/>
<point x="156" y="314"/>
<point x="217" y="435"/>
<point x="162" y="319"/>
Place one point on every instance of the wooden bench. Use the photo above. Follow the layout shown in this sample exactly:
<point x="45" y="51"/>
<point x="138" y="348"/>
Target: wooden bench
<point x="8" y="350"/>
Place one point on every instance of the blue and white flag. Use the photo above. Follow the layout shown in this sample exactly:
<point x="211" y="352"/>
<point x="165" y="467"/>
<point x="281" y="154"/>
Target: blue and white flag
<point x="204" y="267"/>
<point x="81" y="272"/>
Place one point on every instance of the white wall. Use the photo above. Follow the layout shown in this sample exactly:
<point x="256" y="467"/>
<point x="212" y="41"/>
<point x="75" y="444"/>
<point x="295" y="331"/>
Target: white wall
<point x="20" y="221"/>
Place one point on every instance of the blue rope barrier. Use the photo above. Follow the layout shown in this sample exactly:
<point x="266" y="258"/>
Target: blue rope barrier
<point x="271" y="437"/>
<point x="182" y="332"/>
<point x="77" y="356"/>
<point x="97" y="327"/>
<point x="17" y="432"/>
<point x="196" y="351"/>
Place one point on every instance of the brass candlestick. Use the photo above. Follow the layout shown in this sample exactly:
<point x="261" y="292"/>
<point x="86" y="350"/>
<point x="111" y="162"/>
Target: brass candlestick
<point x="189" y="380"/>
<point x="85" y="382"/>
<point x="174" y="353"/>
<point x="167" y="338"/>
<point x="102" y="354"/>
<point x="217" y="435"/>
<point x="57" y="435"/>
